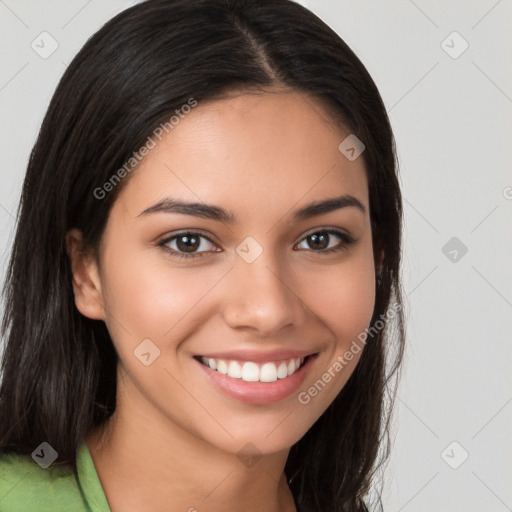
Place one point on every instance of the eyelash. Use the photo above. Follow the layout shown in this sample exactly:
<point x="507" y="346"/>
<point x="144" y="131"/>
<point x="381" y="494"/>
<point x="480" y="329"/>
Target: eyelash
<point x="347" y="240"/>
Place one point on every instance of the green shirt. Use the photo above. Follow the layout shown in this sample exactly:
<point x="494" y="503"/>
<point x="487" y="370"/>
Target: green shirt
<point x="26" y="487"/>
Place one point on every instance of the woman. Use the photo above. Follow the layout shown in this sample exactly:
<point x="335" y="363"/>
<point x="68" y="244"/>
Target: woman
<point x="205" y="268"/>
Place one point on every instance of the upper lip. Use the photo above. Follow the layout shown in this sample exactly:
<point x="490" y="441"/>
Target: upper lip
<point x="259" y="355"/>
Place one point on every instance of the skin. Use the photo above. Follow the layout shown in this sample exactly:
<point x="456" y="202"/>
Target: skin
<point x="172" y="443"/>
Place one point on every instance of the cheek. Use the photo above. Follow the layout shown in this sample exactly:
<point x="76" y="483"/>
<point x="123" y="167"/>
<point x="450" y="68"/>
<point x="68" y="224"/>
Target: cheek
<point x="344" y="298"/>
<point x="345" y="303"/>
<point x="146" y="299"/>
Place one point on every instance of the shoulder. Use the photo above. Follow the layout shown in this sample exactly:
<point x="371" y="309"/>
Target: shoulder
<point x="26" y="486"/>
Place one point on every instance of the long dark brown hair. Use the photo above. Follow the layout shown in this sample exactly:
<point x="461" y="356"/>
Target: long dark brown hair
<point x="59" y="367"/>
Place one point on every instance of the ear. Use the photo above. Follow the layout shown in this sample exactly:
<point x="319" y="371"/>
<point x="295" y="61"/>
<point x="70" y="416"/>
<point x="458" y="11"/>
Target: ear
<point x="86" y="278"/>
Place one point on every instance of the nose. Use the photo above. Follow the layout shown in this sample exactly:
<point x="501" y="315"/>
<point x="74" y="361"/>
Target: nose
<point x="260" y="296"/>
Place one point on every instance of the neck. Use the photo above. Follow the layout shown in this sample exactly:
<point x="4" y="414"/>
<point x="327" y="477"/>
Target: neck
<point x="149" y="464"/>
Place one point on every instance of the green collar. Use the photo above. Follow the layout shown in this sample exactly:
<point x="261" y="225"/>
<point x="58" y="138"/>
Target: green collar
<point x="89" y="482"/>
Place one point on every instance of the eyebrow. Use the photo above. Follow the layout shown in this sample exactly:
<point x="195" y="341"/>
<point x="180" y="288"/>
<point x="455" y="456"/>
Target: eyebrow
<point x="213" y="212"/>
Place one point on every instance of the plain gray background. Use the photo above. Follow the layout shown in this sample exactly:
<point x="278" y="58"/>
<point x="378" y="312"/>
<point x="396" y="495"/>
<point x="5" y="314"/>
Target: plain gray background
<point x="450" y="109"/>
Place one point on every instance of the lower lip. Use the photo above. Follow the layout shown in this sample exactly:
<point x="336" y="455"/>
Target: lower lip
<point x="258" y="392"/>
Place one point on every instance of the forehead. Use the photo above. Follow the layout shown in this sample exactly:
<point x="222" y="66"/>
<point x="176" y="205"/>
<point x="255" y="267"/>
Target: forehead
<point x="246" y="151"/>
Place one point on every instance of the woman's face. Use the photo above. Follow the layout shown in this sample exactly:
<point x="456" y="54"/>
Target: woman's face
<point x="260" y="286"/>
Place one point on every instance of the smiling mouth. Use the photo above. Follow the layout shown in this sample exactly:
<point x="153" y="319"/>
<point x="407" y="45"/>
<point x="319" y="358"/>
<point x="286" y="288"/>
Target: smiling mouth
<point x="249" y="371"/>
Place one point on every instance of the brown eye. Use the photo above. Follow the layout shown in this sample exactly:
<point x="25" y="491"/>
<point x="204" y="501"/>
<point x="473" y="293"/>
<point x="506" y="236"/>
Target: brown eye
<point x="321" y="240"/>
<point x="186" y="245"/>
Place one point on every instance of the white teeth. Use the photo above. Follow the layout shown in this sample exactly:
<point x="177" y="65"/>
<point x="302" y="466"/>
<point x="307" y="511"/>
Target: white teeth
<point x="282" y="371"/>
<point x="222" y="366"/>
<point x="268" y="372"/>
<point x="252" y="372"/>
<point x="234" y="370"/>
